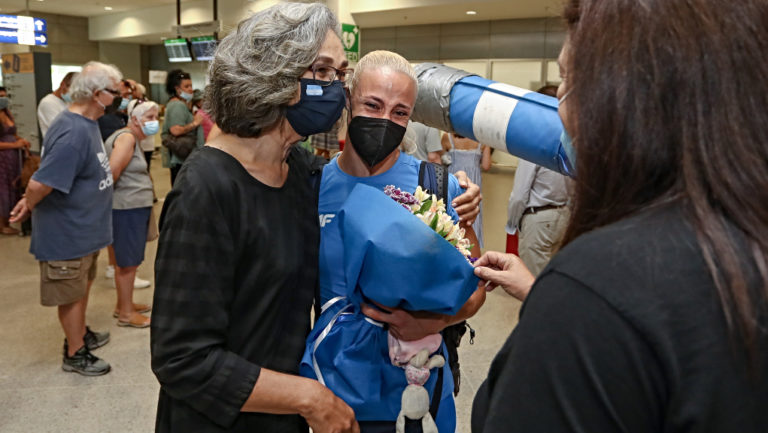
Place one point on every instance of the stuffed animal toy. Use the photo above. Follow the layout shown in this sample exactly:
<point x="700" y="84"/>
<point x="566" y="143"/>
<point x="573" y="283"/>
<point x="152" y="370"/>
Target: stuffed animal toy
<point x="415" y="401"/>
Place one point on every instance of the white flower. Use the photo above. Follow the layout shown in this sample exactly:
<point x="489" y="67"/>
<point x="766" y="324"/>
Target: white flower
<point x="421" y="195"/>
<point x="426" y="217"/>
<point x="444" y="224"/>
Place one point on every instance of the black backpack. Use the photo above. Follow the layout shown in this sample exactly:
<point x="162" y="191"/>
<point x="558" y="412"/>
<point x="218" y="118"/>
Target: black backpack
<point x="434" y="179"/>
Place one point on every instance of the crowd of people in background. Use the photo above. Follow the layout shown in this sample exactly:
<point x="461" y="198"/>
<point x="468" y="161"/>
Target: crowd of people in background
<point x="92" y="191"/>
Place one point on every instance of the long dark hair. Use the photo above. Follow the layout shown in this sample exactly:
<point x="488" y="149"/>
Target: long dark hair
<point x="669" y="103"/>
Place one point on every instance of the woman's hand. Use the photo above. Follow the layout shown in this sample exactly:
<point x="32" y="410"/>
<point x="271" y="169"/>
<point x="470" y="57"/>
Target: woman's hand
<point x="415" y="325"/>
<point x="507" y="271"/>
<point x="406" y="325"/>
<point x="22" y="143"/>
<point x="198" y="119"/>
<point x="467" y="205"/>
<point x="327" y="413"/>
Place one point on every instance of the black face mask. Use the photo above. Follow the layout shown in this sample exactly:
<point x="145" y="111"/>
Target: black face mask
<point x="374" y="139"/>
<point x="114" y="106"/>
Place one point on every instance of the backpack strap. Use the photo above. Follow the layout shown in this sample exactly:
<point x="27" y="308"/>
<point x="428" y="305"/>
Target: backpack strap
<point x="433" y="178"/>
<point x="437" y="394"/>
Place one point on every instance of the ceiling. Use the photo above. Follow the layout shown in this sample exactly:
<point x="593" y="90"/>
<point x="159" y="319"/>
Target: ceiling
<point x="82" y="8"/>
<point x="366" y="13"/>
<point x="448" y="11"/>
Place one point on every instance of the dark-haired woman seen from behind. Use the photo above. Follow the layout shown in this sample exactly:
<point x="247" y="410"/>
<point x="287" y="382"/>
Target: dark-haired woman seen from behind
<point x="654" y="315"/>
<point x="179" y="120"/>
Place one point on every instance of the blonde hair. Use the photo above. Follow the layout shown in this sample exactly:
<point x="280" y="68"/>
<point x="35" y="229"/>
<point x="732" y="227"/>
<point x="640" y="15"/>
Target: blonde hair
<point x="381" y="59"/>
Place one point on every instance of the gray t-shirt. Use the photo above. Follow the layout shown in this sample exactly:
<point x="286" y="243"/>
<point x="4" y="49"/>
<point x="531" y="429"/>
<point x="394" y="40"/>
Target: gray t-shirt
<point x="75" y="219"/>
<point x="427" y="140"/>
<point x="133" y="188"/>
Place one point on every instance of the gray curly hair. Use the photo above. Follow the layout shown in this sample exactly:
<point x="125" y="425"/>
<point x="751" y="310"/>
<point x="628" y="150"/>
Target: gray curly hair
<point x="95" y="76"/>
<point x="255" y="71"/>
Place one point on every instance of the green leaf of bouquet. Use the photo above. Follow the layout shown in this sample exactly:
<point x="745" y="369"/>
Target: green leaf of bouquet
<point x="425" y="206"/>
<point x="433" y="224"/>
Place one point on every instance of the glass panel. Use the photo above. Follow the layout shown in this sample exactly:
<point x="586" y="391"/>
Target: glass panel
<point x="59" y="71"/>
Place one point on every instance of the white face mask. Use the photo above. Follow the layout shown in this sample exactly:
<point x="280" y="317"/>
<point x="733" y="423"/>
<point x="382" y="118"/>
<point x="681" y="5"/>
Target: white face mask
<point x="186" y="96"/>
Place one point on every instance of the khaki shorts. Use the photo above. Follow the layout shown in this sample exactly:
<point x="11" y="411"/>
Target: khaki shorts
<point x="66" y="281"/>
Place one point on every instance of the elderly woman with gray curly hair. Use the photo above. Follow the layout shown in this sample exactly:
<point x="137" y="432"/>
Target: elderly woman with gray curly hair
<point x="237" y="259"/>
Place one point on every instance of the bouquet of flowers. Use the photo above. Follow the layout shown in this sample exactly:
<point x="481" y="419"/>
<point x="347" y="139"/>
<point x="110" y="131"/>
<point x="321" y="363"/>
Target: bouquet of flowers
<point x="431" y="211"/>
<point x="415" y="260"/>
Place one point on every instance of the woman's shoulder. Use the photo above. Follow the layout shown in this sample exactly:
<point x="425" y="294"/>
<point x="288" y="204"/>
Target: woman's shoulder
<point x="646" y="259"/>
<point x="656" y="233"/>
<point x="176" y="107"/>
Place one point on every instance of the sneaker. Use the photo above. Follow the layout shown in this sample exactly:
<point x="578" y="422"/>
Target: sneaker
<point x="84" y="362"/>
<point x="94" y="340"/>
<point x="139" y="283"/>
<point x="110" y="273"/>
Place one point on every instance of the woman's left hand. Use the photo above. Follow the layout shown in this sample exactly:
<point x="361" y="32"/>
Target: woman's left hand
<point x="467" y="205"/>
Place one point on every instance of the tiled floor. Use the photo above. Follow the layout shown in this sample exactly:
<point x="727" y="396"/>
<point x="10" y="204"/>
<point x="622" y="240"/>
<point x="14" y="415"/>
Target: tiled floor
<point x="36" y="396"/>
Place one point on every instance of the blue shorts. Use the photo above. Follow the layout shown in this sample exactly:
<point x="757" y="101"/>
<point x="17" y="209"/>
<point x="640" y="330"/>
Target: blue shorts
<point x="129" y="235"/>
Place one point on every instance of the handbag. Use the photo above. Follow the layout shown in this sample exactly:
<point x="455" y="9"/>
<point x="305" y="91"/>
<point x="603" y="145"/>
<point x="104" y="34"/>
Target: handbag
<point x="181" y="145"/>
<point x="29" y="164"/>
<point x="152" y="231"/>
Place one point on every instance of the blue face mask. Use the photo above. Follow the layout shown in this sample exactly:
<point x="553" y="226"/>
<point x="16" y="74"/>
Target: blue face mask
<point x="318" y="109"/>
<point x="566" y="143"/>
<point x="186" y="96"/>
<point x="150" y="127"/>
<point x="67" y="98"/>
<point x="4" y="102"/>
<point x="123" y="104"/>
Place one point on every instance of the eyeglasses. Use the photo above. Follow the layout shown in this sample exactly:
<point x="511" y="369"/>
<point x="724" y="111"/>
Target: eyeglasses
<point x="111" y="91"/>
<point x="324" y="75"/>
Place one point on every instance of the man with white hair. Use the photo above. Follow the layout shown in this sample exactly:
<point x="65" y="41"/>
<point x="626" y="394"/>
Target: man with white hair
<point x="70" y="200"/>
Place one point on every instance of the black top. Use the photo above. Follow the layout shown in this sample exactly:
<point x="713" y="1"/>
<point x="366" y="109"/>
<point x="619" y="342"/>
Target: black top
<point x="624" y="332"/>
<point x="235" y="277"/>
<point x="111" y="122"/>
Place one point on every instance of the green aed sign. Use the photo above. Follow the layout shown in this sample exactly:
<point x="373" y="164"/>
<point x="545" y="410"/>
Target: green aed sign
<point x="350" y="38"/>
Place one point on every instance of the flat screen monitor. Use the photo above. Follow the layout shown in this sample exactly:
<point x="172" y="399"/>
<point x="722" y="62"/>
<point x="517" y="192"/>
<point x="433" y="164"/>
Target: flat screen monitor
<point x="178" y="50"/>
<point x="203" y="47"/>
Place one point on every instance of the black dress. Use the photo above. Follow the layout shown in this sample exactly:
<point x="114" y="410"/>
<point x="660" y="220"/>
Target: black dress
<point x="624" y="332"/>
<point x="235" y="277"/>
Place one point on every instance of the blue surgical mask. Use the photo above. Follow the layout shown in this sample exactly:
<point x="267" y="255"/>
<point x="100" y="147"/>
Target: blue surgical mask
<point x="123" y="104"/>
<point x="569" y="164"/>
<point x="318" y="109"/>
<point x="150" y="127"/>
<point x="566" y="144"/>
<point x="186" y="96"/>
<point x="4" y="102"/>
<point x="67" y="98"/>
